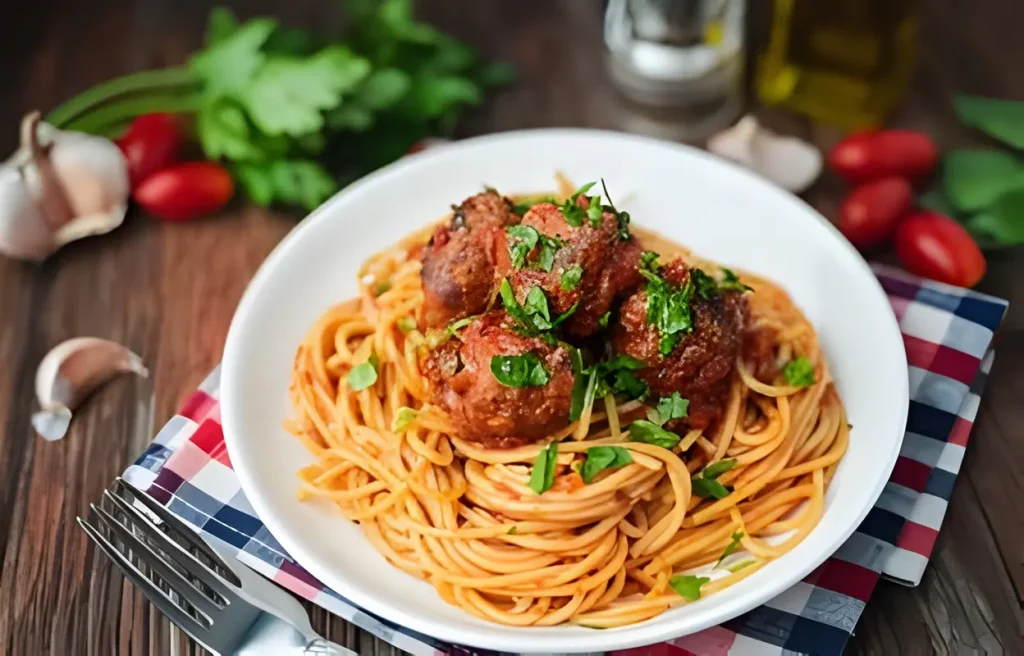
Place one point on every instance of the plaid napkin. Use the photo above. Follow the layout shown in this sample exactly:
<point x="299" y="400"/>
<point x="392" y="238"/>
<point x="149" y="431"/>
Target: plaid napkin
<point x="948" y="333"/>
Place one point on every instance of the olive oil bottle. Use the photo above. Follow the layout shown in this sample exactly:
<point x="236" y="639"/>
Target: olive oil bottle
<point x="843" y="62"/>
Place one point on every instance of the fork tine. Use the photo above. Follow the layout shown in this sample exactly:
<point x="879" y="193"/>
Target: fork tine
<point x="177" y="526"/>
<point x="147" y="586"/>
<point x="147" y="556"/>
<point x="170" y="548"/>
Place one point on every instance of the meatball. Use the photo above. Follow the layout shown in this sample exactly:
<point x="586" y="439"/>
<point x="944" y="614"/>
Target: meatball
<point x="592" y="266"/>
<point x="701" y="363"/>
<point x="487" y="411"/>
<point x="460" y="261"/>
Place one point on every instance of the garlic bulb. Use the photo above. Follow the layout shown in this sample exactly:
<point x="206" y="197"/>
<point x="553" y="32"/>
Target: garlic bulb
<point x="789" y="162"/>
<point x="59" y="187"/>
<point x="70" y="372"/>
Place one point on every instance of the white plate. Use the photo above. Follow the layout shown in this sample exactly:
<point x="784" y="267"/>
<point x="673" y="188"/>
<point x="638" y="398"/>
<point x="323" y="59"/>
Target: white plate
<point x="721" y="211"/>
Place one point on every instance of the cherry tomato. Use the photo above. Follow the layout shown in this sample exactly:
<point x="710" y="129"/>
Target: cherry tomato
<point x="869" y="213"/>
<point x="866" y="156"/>
<point x="932" y="245"/>
<point x="151" y="143"/>
<point x="185" y="191"/>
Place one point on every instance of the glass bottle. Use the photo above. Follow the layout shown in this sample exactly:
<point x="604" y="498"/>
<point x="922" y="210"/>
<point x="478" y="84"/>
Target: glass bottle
<point x="843" y="62"/>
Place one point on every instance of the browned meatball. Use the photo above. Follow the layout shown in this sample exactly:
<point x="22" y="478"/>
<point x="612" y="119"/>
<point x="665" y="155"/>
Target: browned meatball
<point x="600" y="266"/>
<point x="700" y="365"/>
<point x="487" y="411"/>
<point x="459" y="262"/>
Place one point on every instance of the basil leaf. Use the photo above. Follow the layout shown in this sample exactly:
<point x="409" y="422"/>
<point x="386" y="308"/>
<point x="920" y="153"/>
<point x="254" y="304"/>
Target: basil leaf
<point x="406" y="324"/>
<point x="974" y="179"/>
<point x="799" y="372"/>
<point x="600" y="458"/>
<point x="709" y="488"/>
<point x="524" y="370"/>
<point x="543" y="475"/>
<point x="571" y="278"/>
<point x="536" y="307"/>
<point x="716" y="469"/>
<point x="1003" y="222"/>
<point x="648" y="432"/>
<point x="1002" y="119"/>
<point x="403" y="418"/>
<point x="936" y="200"/>
<point x="731" y="548"/>
<point x="514" y="309"/>
<point x="522" y="240"/>
<point x="363" y="375"/>
<point x="687" y="585"/>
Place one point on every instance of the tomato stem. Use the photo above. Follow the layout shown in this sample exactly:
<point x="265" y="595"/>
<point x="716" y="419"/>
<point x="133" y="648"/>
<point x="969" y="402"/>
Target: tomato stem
<point x="102" y="93"/>
<point x="113" y="114"/>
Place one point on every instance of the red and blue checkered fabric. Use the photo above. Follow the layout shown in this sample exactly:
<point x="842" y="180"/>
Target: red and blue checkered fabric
<point x="948" y="334"/>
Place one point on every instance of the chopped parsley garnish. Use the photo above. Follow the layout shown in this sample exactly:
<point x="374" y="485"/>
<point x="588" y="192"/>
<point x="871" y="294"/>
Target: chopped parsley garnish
<point x="600" y="458"/>
<point x="669" y="408"/>
<point x="613" y="377"/>
<point x="524" y="370"/>
<point x="381" y="287"/>
<point x="648" y="432"/>
<point x="403" y="418"/>
<point x="622" y="218"/>
<point x="743" y="564"/>
<point x="573" y="213"/>
<point x="571" y="278"/>
<point x="603" y="321"/>
<point x="687" y="585"/>
<point x="406" y="324"/>
<point x="705" y="285"/>
<point x="799" y="372"/>
<point x="668" y="307"/>
<point x="533" y="317"/>
<point x="731" y="282"/>
<point x="731" y="548"/>
<point x="706" y="485"/>
<point x="522" y="240"/>
<point x="543" y="475"/>
<point x="363" y="375"/>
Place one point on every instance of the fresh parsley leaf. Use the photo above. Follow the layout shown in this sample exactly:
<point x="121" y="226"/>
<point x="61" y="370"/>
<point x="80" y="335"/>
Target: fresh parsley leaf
<point x="573" y="213"/>
<point x="649" y="267"/>
<point x="288" y="95"/>
<point x="648" y="432"/>
<point x="595" y="212"/>
<point x="799" y="372"/>
<point x="622" y="218"/>
<point x="224" y="131"/>
<point x="560" y="319"/>
<point x="351" y="116"/>
<point x="403" y="418"/>
<point x="296" y="182"/>
<point x="731" y="282"/>
<point x="716" y="469"/>
<point x="687" y="585"/>
<point x="382" y="88"/>
<point x="600" y="458"/>
<point x="571" y="278"/>
<point x="229" y="65"/>
<point x="603" y="321"/>
<point x="514" y="309"/>
<point x="709" y="488"/>
<point x="524" y="370"/>
<point x="731" y="548"/>
<point x="536" y="305"/>
<point x="669" y="408"/>
<point x="521" y="240"/>
<point x="432" y="96"/>
<point x="548" y="247"/>
<point x="363" y="375"/>
<point x="706" y="286"/>
<point x="406" y="324"/>
<point x="220" y="26"/>
<point x="668" y="306"/>
<point x="543" y="475"/>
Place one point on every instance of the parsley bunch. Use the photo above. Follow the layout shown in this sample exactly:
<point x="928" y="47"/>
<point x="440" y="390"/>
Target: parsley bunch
<point x="294" y="116"/>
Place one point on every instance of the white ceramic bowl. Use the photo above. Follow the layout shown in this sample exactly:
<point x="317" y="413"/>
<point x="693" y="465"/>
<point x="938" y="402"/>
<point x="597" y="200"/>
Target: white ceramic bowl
<point x="720" y="210"/>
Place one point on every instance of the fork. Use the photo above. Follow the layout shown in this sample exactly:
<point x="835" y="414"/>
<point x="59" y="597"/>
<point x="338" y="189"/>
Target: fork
<point x="207" y="593"/>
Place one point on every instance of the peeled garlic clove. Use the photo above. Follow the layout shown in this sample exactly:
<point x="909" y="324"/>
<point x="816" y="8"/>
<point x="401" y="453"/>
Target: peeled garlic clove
<point x="59" y="187"/>
<point x="789" y="162"/>
<point x="70" y="372"/>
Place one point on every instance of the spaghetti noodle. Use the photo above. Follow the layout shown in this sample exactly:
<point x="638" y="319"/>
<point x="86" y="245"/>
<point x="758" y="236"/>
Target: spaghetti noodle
<point x="616" y="551"/>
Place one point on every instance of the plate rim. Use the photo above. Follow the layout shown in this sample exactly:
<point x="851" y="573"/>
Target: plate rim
<point x="636" y="635"/>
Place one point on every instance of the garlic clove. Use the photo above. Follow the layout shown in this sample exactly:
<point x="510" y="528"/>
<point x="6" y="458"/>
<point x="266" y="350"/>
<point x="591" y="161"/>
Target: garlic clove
<point x="789" y="162"/>
<point x="59" y="187"/>
<point x="70" y="372"/>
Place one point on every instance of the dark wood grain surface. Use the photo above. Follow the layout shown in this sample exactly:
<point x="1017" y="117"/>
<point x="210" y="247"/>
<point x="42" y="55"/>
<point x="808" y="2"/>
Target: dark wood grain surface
<point x="168" y="292"/>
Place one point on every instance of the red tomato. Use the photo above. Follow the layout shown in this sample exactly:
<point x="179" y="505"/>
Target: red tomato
<point x="151" y="143"/>
<point x="868" y="156"/>
<point x="932" y="245"/>
<point x="869" y="214"/>
<point x="185" y="191"/>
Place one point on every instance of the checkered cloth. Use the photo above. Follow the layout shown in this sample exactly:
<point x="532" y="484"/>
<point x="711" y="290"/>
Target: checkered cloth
<point x="948" y="334"/>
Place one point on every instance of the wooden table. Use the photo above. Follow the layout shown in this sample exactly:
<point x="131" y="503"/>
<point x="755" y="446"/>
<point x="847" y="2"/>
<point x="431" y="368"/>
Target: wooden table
<point x="168" y="292"/>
